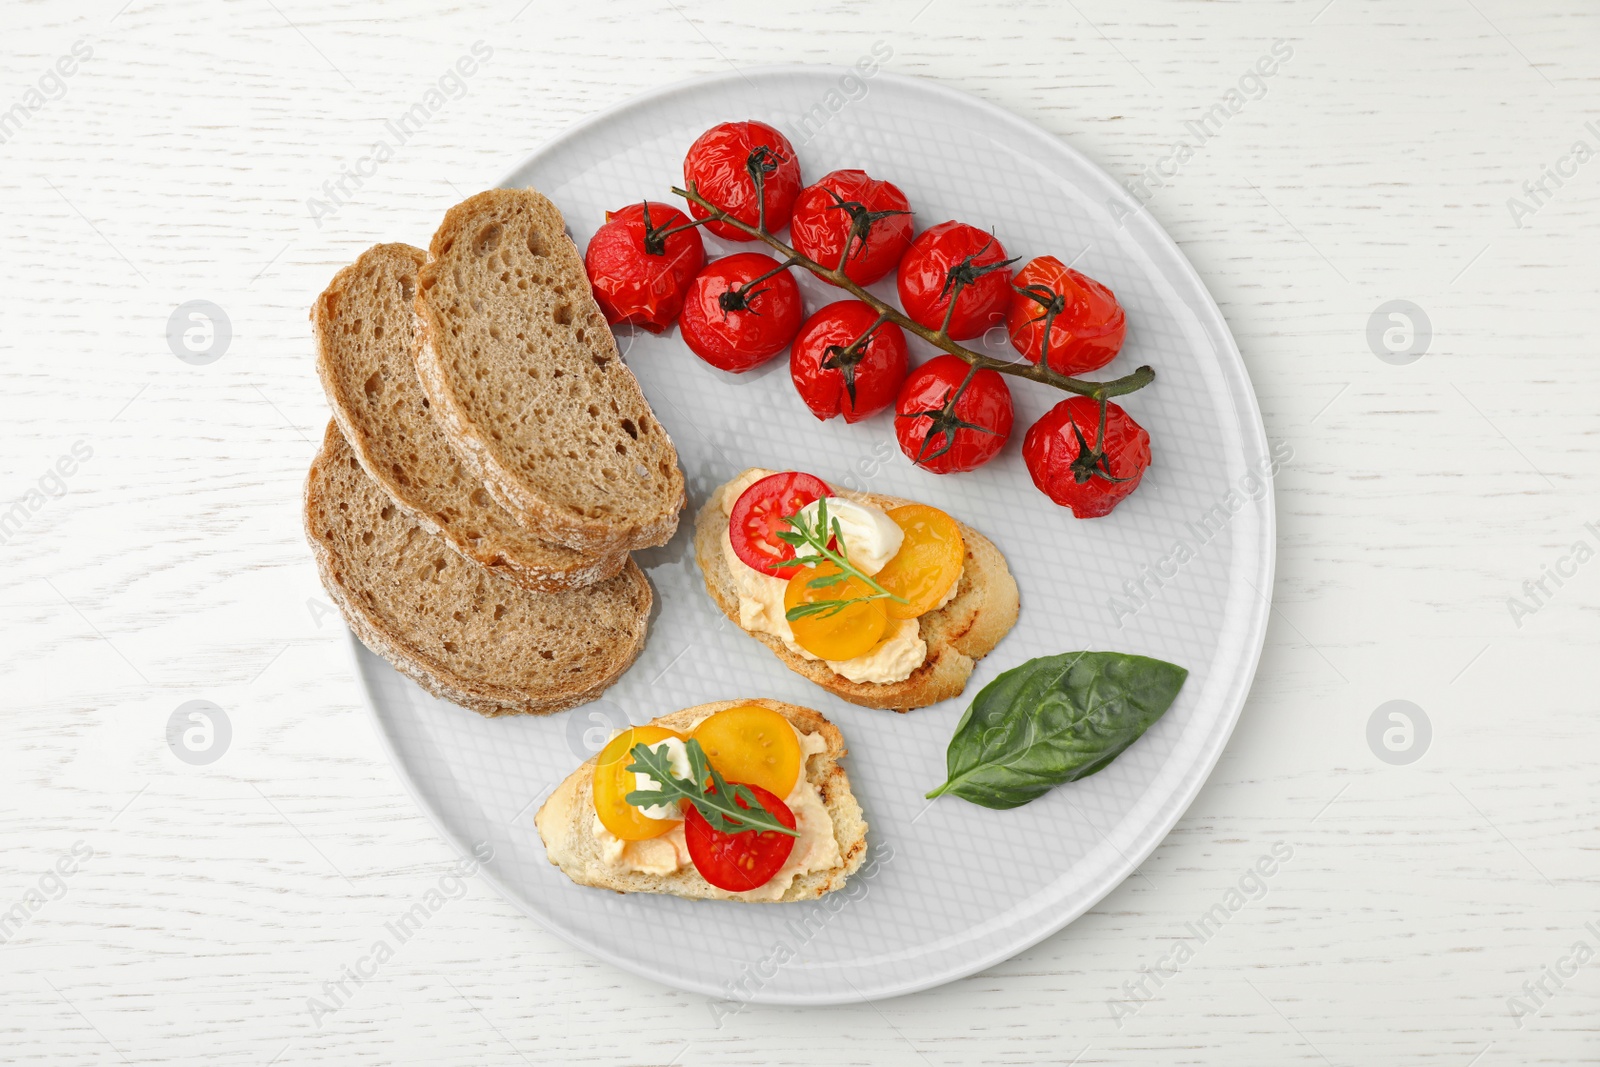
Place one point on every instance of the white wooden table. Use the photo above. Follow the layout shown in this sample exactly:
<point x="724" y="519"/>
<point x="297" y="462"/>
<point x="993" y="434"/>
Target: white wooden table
<point x="1431" y="911"/>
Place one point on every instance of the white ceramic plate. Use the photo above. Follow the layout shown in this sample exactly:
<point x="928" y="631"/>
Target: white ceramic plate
<point x="949" y="888"/>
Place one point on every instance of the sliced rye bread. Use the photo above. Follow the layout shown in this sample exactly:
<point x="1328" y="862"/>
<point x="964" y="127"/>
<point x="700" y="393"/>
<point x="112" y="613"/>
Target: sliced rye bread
<point x="525" y="377"/>
<point x="449" y="624"/>
<point x="365" y="329"/>
<point x="957" y="635"/>
<point x="567" y="817"/>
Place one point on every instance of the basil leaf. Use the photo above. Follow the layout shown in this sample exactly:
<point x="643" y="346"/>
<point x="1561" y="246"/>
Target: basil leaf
<point x="1054" y="720"/>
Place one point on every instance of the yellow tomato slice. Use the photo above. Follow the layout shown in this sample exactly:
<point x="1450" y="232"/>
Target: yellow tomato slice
<point x="613" y="782"/>
<point x="753" y="745"/>
<point x="928" y="563"/>
<point x="843" y="634"/>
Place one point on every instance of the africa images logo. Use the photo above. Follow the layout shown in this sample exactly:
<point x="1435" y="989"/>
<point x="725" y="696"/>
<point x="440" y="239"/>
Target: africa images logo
<point x="339" y="991"/>
<point x="50" y="85"/>
<point x="1201" y="130"/>
<point x="1538" y="592"/>
<point x="1539" y="191"/>
<point x="1251" y="886"/>
<point x="451" y="85"/>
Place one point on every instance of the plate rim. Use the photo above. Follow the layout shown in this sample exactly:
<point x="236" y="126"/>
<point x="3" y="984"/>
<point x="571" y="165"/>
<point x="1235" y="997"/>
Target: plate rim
<point x="1113" y="874"/>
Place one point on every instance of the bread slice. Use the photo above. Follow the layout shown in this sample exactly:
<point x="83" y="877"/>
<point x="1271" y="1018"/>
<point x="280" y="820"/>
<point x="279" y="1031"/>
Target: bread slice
<point x="566" y="819"/>
<point x="957" y="635"/>
<point x="460" y="632"/>
<point x="526" y="379"/>
<point x="365" y="330"/>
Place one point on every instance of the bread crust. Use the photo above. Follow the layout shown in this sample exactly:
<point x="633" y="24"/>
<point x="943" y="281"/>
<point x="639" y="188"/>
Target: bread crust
<point x="426" y="669"/>
<point x="957" y="635"/>
<point x="566" y="818"/>
<point x="477" y="444"/>
<point x="536" y="567"/>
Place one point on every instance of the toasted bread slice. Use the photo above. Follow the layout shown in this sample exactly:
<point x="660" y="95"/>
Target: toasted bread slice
<point x="460" y="632"/>
<point x="957" y="635"/>
<point x="566" y="819"/>
<point x="365" y="330"/>
<point x="525" y="377"/>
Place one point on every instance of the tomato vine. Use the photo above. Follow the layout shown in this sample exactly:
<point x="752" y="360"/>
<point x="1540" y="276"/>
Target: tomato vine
<point x="1038" y="372"/>
<point x="944" y="420"/>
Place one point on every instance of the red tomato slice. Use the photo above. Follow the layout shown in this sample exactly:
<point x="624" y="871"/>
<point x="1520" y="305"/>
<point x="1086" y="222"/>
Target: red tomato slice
<point x="758" y="515"/>
<point x="739" y="862"/>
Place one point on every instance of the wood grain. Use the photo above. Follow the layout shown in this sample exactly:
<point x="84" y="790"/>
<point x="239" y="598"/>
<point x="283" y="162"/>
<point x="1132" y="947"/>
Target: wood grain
<point x="177" y="165"/>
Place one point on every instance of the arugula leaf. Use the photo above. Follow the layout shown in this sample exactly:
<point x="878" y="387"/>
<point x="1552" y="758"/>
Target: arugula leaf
<point x="815" y="537"/>
<point x="1053" y="720"/>
<point x="718" y="802"/>
<point x="822" y="609"/>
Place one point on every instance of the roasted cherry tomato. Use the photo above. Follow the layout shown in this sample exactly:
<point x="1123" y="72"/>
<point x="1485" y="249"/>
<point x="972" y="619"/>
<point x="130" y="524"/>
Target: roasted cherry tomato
<point x="847" y="207"/>
<point x="739" y="862"/>
<point x="948" y="255"/>
<point x="639" y="277"/>
<point x="928" y="564"/>
<point x="1079" y="466"/>
<point x="850" y="631"/>
<point x="613" y="782"/>
<point x="836" y="376"/>
<point x="752" y="744"/>
<point x="940" y="439"/>
<point x="734" y="325"/>
<point x="758" y="517"/>
<point x="1085" y="322"/>
<point x="718" y="168"/>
